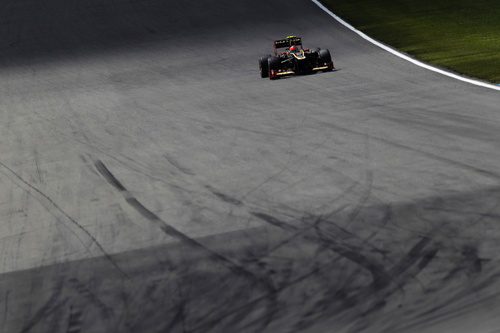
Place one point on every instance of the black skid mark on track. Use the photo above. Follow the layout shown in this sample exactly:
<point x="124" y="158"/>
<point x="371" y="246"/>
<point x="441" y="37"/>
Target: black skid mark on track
<point x="385" y="280"/>
<point x="185" y="170"/>
<point x="104" y="171"/>
<point x="75" y="320"/>
<point x="179" y="320"/>
<point x="342" y="248"/>
<point x="39" y="196"/>
<point x="487" y="173"/>
<point x="416" y="260"/>
<point x="416" y="254"/>
<point x="52" y="305"/>
<point x="224" y="197"/>
<point x="37" y="165"/>
<point x="470" y="263"/>
<point x="471" y="258"/>
<point x="176" y="234"/>
<point x="274" y="221"/>
<point x="85" y="292"/>
<point x="268" y="298"/>
<point x="315" y="286"/>
<point x="379" y="274"/>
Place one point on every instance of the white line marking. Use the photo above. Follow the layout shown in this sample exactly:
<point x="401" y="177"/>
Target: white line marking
<point x="404" y="56"/>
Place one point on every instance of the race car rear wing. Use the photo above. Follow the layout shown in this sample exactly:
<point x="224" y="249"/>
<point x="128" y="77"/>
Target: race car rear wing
<point x="287" y="42"/>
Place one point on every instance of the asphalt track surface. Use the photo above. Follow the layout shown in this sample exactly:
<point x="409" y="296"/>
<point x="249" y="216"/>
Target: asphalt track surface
<point x="150" y="181"/>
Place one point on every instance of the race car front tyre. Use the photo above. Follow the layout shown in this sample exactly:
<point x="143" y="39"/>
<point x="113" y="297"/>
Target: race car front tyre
<point x="263" y="66"/>
<point x="325" y="59"/>
<point x="273" y="64"/>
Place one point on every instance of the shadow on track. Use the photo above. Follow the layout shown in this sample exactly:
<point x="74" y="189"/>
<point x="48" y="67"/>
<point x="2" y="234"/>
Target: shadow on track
<point x="381" y="269"/>
<point x="48" y="30"/>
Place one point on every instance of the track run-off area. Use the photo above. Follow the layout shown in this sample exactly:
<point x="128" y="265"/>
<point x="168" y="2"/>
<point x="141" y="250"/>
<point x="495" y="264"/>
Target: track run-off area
<point x="150" y="181"/>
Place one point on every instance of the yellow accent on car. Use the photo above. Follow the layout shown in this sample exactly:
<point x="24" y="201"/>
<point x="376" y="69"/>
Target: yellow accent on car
<point x="320" y="68"/>
<point x="300" y="55"/>
<point x="285" y="73"/>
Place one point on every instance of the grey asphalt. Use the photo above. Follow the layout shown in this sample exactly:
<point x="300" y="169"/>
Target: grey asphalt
<point x="150" y="181"/>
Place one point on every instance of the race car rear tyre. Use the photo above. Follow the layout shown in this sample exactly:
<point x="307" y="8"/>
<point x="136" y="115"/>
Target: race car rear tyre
<point x="273" y="64"/>
<point x="325" y="59"/>
<point x="263" y="66"/>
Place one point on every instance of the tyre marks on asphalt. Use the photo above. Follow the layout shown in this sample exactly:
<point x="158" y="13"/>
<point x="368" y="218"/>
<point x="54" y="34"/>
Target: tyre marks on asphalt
<point x="182" y="168"/>
<point x="176" y="234"/>
<point x="335" y="242"/>
<point x="75" y="320"/>
<point x="59" y="213"/>
<point x="253" y="274"/>
<point x="91" y="298"/>
<point x="53" y="304"/>
<point x="441" y="158"/>
<point x="318" y="267"/>
<point x="349" y="246"/>
<point x="310" y="260"/>
<point x="470" y="264"/>
<point x="388" y="274"/>
<point x="39" y="173"/>
<point x="224" y="197"/>
<point x="5" y="309"/>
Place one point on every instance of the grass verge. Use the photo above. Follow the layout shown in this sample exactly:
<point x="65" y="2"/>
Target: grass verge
<point x="461" y="35"/>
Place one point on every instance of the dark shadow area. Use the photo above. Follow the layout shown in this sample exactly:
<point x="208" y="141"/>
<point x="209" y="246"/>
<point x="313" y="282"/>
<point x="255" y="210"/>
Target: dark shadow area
<point x="33" y="30"/>
<point x="387" y="268"/>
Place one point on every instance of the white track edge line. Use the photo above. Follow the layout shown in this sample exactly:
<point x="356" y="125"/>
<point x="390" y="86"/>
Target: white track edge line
<point x="402" y="55"/>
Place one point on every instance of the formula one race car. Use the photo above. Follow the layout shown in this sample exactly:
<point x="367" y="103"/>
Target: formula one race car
<point x="290" y="58"/>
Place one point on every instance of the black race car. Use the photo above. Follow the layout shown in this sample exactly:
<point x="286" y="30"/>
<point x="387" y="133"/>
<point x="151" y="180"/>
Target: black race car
<point x="290" y="58"/>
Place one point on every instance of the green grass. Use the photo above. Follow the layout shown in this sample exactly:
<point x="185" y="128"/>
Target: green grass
<point x="461" y="35"/>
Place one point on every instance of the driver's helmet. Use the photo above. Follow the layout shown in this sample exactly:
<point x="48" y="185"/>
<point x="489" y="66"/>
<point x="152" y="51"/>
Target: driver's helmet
<point x="294" y="48"/>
